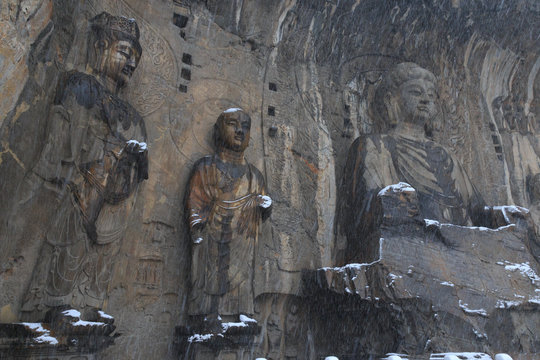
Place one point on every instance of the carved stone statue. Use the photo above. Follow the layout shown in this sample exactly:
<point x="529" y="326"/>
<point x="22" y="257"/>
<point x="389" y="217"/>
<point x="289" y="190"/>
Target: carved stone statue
<point x="406" y="102"/>
<point x="226" y="201"/>
<point x="93" y="160"/>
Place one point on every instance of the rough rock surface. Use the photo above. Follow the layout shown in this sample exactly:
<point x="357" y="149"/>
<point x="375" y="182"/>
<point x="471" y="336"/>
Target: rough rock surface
<point x="306" y="71"/>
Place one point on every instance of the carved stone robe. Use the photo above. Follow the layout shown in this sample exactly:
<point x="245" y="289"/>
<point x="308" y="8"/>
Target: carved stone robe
<point x="222" y="200"/>
<point x="444" y="190"/>
<point x="81" y="164"/>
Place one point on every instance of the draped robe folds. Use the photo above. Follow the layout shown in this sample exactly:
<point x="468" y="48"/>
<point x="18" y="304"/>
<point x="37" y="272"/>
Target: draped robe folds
<point x="444" y="190"/>
<point x="222" y="201"/>
<point x="83" y="166"/>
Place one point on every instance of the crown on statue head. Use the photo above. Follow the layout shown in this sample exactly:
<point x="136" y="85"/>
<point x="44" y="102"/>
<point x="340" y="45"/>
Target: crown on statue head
<point x="121" y="24"/>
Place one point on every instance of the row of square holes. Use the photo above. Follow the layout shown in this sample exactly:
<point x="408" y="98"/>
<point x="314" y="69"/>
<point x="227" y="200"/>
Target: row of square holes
<point x="185" y="73"/>
<point x="271" y="109"/>
<point x="181" y="21"/>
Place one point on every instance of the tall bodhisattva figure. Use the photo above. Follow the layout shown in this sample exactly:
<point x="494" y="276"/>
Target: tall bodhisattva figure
<point x="93" y="160"/>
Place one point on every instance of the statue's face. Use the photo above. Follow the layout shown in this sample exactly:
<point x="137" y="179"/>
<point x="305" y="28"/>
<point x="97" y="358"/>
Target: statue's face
<point x="234" y="131"/>
<point x="119" y="61"/>
<point x="417" y="99"/>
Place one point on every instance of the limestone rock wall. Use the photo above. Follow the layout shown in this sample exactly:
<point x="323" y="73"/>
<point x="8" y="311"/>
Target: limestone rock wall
<point x="306" y="72"/>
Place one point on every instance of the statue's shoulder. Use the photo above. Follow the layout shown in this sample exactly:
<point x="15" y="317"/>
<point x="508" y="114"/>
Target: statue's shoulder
<point x="365" y="142"/>
<point x="84" y="88"/>
<point x="204" y="162"/>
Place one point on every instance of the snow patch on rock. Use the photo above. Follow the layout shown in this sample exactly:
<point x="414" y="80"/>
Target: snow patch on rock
<point x="397" y="188"/>
<point x="467" y="310"/>
<point x="44" y="334"/>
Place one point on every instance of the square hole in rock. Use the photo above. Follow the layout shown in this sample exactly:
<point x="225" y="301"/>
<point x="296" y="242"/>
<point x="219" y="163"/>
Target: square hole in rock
<point x="186" y="58"/>
<point x="185" y="74"/>
<point x="180" y="20"/>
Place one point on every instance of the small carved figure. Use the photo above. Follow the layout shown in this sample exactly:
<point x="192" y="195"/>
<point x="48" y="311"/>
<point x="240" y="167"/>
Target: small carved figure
<point x="407" y="101"/>
<point x="93" y="160"/>
<point x="226" y="201"/>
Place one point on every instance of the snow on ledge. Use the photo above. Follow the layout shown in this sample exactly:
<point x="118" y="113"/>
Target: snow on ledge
<point x="88" y="323"/>
<point x="226" y="326"/>
<point x="507" y="304"/>
<point x="46" y="339"/>
<point x="460" y="356"/>
<point x="394" y="356"/>
<point x="247" y="319"/>
<point x="200" y="338"/>
<point x="508" y="209"/>
<point x="469" y="311"/>
<point x="45" y="335"/>
<point x="430" y="222"/>
<point x="356" y="266"/>
<point x="351" y="266"/>
<point x="72" y="312"/>
<point x="397" y="188"/>
<point x="524" y="268"/>
<point x="104" y="315"/>
<point x="77" y="315"/>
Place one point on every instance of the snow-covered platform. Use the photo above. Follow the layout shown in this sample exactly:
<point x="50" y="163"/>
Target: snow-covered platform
<point x="64" y="335"/>
<point x="221" y="338"/>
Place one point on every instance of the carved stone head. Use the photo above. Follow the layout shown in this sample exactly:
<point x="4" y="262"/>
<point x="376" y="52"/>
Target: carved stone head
<point x="114" y="48"/>
<point x="408" y="93"/>
<point x="232" y="129"/>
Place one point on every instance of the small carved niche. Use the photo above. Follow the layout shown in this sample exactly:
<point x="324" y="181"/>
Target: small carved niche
<point x="182" y="88"/>
<point x="185" y="74"/>
<point x="180" y="20"/>
<point x="271" y="111"/>
<point x="272" y="86"/>
<point x="272" y="131"/>
<point x="186" y="58"/>
<point x="149" y="272"/>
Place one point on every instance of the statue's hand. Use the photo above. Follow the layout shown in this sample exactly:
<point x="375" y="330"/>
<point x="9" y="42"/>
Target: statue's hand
<point x="264" y="201"/>
<point x="137" y="152"/>
<point x="399" y="204"/>
<point x="196" y="235"/>
<point x="136" y="148"/>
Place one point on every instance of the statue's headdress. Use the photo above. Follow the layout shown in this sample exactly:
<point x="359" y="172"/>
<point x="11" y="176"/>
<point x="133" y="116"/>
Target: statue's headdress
<point x="119" y="27"/>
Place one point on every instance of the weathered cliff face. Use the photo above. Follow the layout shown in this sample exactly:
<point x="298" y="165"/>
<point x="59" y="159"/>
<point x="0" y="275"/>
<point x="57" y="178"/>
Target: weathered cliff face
<point x="307" y="72"/>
